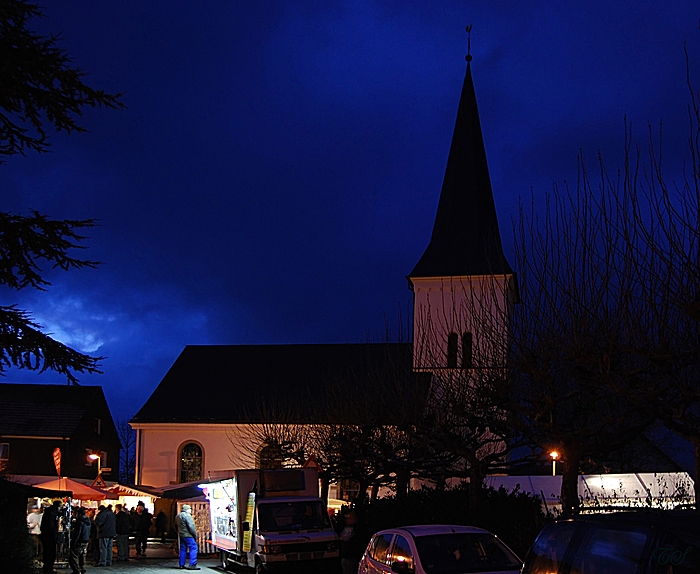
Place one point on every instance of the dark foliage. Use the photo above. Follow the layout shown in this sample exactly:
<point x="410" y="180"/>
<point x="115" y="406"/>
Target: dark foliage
<point x="514" y="517"/>
<point x="40" y="93"/>
<point x="17" y="545"/>
<point x="39" y="86"/>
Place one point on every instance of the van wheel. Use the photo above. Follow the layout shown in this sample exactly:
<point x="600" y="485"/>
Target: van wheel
<point x="222" y="560"/>
<point x="259" y="567"/>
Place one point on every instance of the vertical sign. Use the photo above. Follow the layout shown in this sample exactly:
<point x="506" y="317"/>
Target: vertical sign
<point x="249" y="514"/>
<point x="57" y="461"/>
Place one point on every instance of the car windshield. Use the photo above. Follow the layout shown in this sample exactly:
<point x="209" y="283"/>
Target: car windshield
<point x="297" y="515"/>
<point x="460" y="553"/>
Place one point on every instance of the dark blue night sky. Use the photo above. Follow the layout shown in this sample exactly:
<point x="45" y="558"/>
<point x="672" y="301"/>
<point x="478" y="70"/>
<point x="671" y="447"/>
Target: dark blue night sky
<point x="277" y="171"/>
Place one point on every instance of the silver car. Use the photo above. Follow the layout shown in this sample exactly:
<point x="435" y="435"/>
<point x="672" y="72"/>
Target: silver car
<point x="437" y="549"/>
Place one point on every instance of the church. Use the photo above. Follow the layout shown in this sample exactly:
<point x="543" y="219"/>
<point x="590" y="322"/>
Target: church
<point x="198" y="419"/>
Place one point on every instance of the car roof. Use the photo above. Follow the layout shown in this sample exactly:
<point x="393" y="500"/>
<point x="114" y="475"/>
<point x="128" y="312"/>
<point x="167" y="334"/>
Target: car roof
<point x="651" y="517"/>
<point x="432" y="529"/>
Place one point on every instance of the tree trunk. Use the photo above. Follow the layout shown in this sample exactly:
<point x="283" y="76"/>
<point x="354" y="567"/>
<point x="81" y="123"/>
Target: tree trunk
<point x="324" y="488"/>
<point x="569" y="483"/>
<point x="476" y="488"/>
<point x="402" y="481"/>
<point x="440" y="483"/>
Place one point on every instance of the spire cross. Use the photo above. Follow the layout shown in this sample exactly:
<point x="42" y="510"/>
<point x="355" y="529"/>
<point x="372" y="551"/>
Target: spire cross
<point x="468" y="57"/>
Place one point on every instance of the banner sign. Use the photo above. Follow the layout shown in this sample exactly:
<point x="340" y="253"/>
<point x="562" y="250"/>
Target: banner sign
<point x="57" y="461"/>
<point x="249" y="514"/>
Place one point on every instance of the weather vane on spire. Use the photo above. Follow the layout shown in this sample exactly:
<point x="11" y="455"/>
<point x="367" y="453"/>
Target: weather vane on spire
<point x="468" y="57"/>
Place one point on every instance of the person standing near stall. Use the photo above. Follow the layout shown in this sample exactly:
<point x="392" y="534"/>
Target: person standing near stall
<point x="34" y="526"/>
<point x="161" y="525"/>
<point x="143" y="523"/>
<point x="106" y="531"/>
<point x="123" y="528"/>
<point x="49" y="535"/>
<point x="187" y="533"/>
<point x="80" y="536"/>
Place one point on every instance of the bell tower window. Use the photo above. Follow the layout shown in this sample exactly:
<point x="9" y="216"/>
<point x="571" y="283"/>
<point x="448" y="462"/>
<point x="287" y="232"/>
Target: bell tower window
<point x="467" y="344"/>
<point x="452" y="344"/>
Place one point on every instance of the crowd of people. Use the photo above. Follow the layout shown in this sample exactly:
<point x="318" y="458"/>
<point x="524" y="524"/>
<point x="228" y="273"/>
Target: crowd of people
<point x="93" y="532"/>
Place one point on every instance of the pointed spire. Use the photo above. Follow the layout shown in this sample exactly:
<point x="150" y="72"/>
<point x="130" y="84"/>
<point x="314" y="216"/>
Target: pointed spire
<point x="465" y="239"/>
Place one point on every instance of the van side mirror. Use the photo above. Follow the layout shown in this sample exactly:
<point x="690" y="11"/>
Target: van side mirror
<point x="401" y="568"/>
<point x="245" y="527"/>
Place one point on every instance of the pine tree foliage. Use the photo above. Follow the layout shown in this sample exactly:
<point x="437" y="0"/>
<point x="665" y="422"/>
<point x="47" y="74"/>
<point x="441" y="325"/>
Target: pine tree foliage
<point x="41" y="92"/>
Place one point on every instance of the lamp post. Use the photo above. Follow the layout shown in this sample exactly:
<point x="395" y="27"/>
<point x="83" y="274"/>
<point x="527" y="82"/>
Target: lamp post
<point x="555" y="455"/>
<point x="99" y="460"/>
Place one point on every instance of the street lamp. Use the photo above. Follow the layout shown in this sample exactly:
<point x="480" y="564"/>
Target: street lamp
<point x="555" y="455"/>
<point x="98" y="458"/>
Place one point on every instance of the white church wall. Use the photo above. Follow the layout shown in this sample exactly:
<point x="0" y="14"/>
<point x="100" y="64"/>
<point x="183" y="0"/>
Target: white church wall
<point x="224" y="446"/>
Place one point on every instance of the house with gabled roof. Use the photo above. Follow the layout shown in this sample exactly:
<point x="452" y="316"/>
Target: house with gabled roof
<point x="35" y="420"/>
<point x="195" y="420"/>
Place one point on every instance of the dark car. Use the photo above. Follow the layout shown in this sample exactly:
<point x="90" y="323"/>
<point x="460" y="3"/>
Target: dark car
<point x="640" y="542"/>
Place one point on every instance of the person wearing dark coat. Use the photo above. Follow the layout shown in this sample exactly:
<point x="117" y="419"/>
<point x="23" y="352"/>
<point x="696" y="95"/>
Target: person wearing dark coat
<point x="94" y="544"/>
<point x="106" y="531"/>
<point x="80" y="536"/>
<point x="143" y="528"/>
<point x="123" y="528"/>
<point x="49" y="535"/>
<point x="161" y="525"/>
<point x="351" y="545"/>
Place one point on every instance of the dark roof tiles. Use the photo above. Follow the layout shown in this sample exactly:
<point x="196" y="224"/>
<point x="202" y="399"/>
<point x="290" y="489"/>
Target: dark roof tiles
<point x="45" y="410"/>
<point x="264" y="383"/>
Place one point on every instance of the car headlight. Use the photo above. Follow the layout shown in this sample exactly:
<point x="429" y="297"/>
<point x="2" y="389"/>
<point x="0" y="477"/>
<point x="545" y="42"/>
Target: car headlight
<point x="333" y="545"/>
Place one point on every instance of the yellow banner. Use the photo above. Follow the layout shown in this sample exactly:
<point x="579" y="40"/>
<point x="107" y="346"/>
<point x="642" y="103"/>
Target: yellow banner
<point x="249" y="514"/>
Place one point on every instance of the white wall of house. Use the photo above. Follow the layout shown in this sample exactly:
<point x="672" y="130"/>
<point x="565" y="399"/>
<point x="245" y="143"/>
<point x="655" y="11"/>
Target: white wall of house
<point x="158" y="446"/>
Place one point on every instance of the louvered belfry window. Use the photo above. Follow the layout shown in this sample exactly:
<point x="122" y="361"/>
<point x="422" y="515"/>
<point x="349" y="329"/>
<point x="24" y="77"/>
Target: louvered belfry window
<point x="452" y="345"/>
<point x="467" y="350"/>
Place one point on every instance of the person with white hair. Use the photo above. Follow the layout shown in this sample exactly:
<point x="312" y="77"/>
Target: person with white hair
<point x="34" y="526"/>
<point x="187" y="533"/>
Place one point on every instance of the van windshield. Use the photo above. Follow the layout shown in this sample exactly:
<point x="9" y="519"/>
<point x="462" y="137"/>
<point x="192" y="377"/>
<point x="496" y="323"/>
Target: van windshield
<point x="297" y="515"/>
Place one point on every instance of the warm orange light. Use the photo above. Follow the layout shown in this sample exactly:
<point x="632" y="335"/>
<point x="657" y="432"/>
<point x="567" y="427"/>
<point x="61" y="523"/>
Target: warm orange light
<point x="96" y="457"/>
<point x="555" y="455"/>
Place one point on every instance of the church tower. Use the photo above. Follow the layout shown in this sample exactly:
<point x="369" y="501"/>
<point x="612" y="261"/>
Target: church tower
<point x="463" y="285"/>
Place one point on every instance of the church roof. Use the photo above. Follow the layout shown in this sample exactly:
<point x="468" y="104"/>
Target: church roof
<point x="280" y="383"/>
<point x="465" y="239"/>
<point x="46" y="410"/>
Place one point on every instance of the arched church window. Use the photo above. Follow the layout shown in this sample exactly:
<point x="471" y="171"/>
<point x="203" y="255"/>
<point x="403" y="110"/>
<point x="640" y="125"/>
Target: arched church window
<point x="270" y="455"/>
<point x="452" y="343"/>
<point x="467" y="350"/>
<point x="191" y="457"/>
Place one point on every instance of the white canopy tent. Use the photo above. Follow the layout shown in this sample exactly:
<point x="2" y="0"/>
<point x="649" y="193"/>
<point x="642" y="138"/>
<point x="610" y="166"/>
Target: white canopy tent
<point x="633" y="490"/>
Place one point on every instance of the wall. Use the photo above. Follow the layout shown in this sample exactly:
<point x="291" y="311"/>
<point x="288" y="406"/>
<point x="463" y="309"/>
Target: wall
<point x="158" y="446"/>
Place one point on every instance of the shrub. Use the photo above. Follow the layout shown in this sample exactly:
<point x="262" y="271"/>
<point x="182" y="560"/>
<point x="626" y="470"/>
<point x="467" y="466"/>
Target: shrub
<point x="515" y="517"/>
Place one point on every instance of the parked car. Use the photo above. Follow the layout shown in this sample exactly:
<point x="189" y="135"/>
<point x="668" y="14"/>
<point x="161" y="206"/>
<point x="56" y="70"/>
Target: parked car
<point x="437" y="549"/>
<point x="640" y="542"/>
